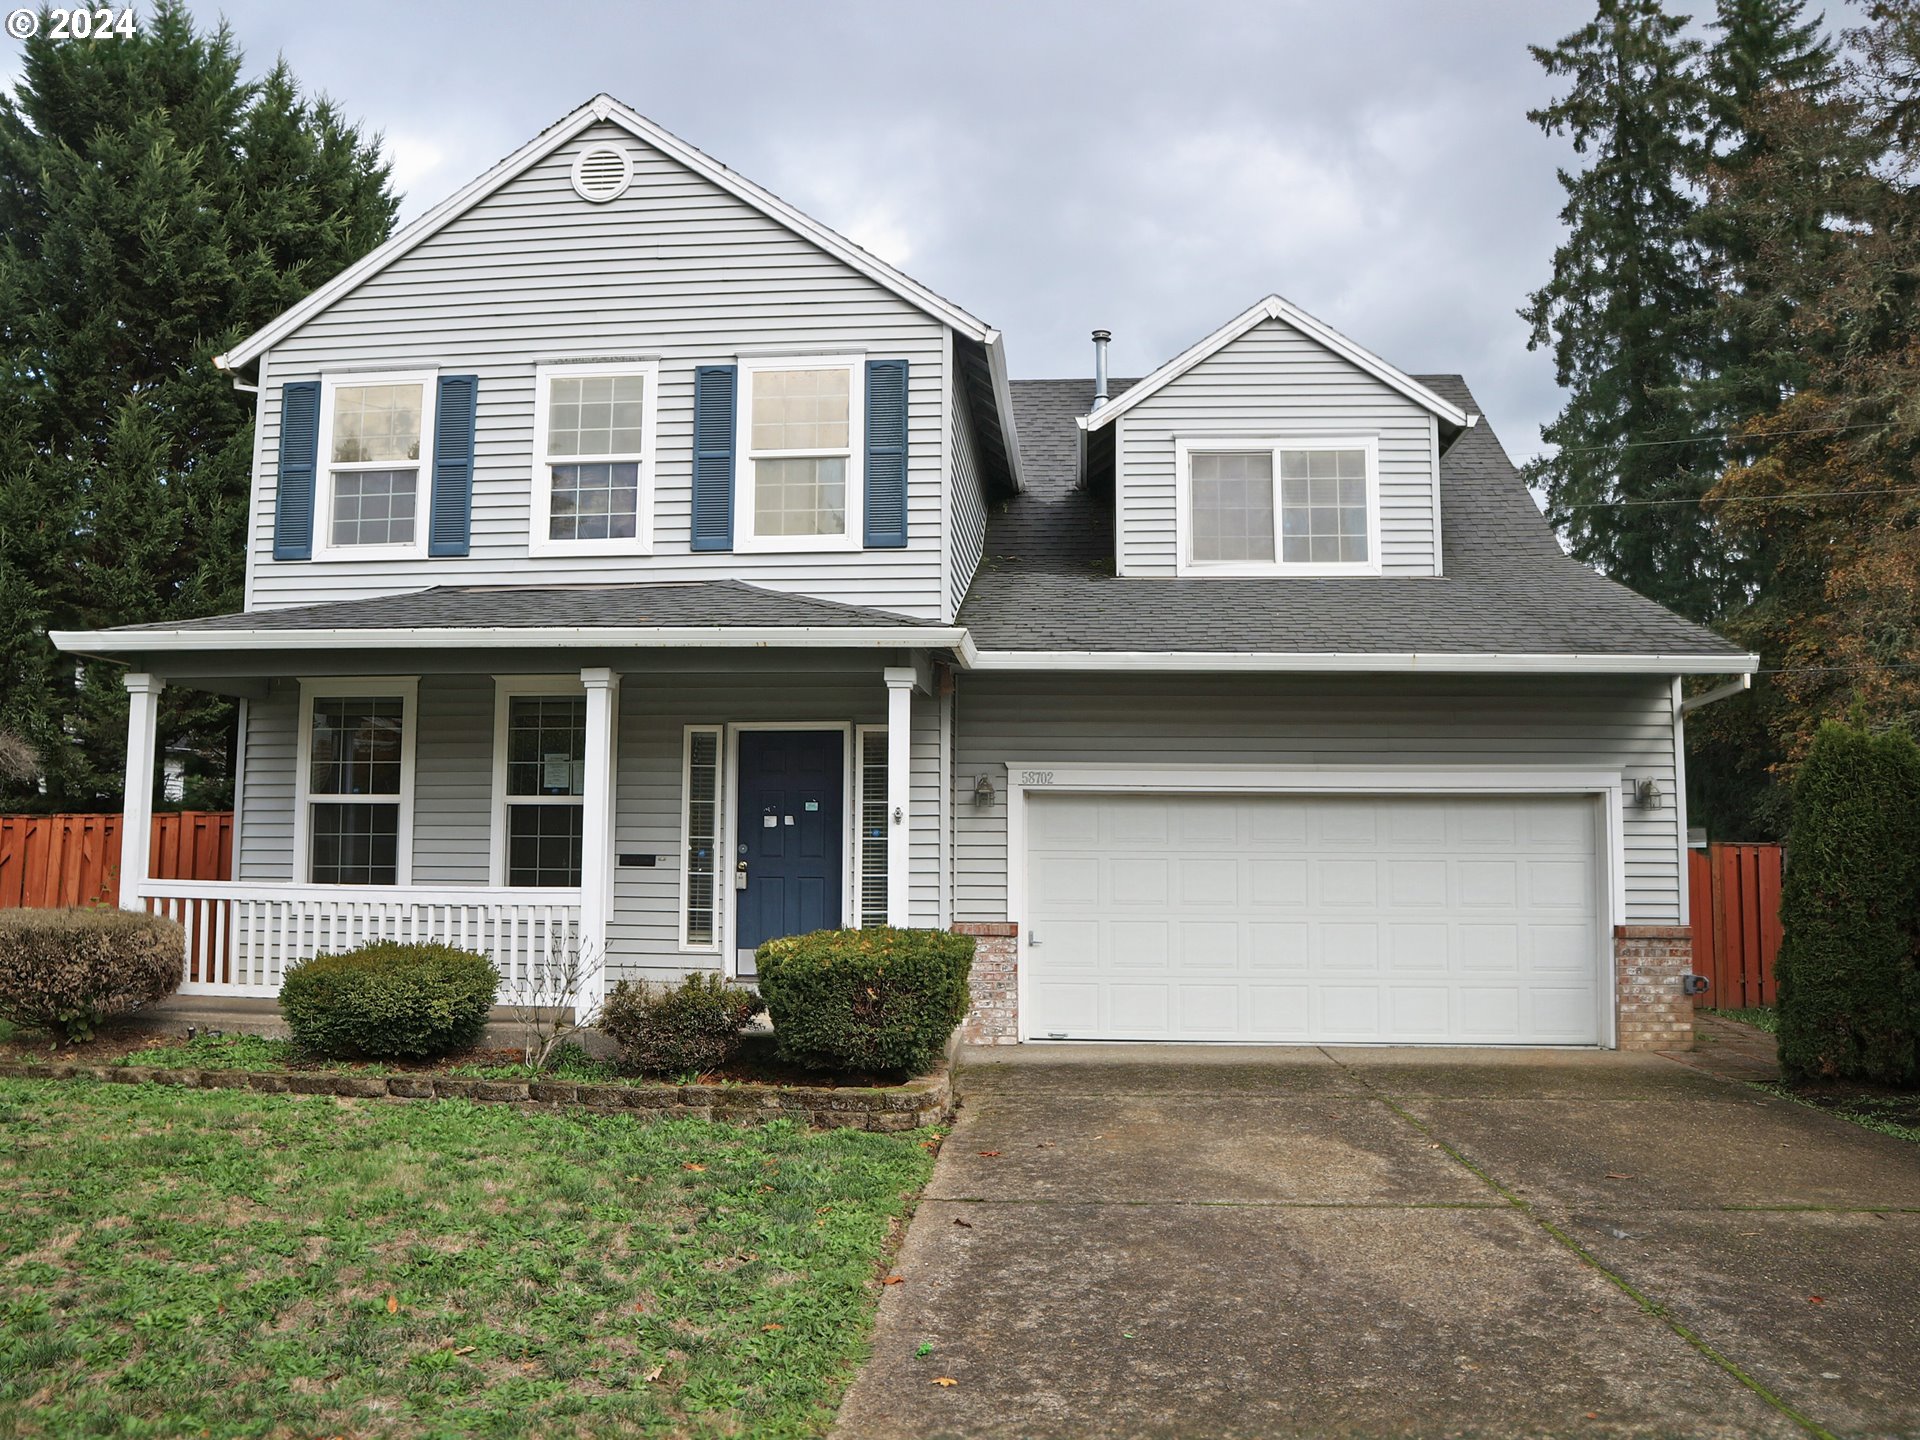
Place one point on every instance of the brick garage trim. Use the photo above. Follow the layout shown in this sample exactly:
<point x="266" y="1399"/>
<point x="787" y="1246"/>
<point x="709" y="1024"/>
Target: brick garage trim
<point x="994" y="1016"/>
<point x="1649" y="964"/>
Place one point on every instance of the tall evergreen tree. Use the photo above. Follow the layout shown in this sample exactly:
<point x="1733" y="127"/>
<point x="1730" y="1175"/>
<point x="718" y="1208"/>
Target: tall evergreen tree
<point x="154" y="207"/>
<point x="1623" y="312"/>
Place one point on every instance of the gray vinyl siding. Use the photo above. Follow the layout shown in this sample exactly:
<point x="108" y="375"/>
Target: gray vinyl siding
<point x="675" y="269"/>
<point x="453" y="781"/>
<point x="1276" y="381"/>
<point x="266" y="789"/>
<point x="969" y="495"/>
<point x="1624" y="725"/>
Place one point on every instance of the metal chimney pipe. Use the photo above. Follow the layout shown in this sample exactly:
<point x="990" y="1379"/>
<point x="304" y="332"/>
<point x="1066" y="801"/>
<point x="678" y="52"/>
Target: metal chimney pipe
<point x="1100" y="339"/>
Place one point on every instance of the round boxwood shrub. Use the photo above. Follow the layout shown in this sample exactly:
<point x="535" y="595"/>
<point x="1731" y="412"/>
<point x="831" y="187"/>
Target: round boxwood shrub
<point x="879" y="1000"/>
<point x="389" y="1001"/>
<point x="684" y="1029"/>
<point x="67" y="971"/>
<point x="1849" y="962"/>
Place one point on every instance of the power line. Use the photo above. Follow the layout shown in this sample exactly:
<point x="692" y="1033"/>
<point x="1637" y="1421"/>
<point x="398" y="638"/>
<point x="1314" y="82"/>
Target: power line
<point x="1783" y="498"/>
<point x="1714" y="435"/>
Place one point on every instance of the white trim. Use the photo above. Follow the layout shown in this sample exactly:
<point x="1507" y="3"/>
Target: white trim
<point x="1274" y="445"/>
<point x="507" y="688"/>
<point x="1680" y="804"/>
<point x="1275" y="307"/>
<point x="539" y="538"/>
<point x="601" y="107"/>
<point x="136" y="806"/>
<point x="240" y="784"/>
<point x="1399" y="662"/>
<point x="355" y="687"/>
<point x="491" y="637"/>
<point x="900" y="682"/>
<point x="722" y="866"/>
<point x="861" y="734"/>
<point x="1439" y="535"/>
<point x="330" y="385"/>
<point x="1070" y="778"/>
<point x="1716" y="694"/>
<point x="849" y="899"/>
<point x="254" y="533"/>
<point x="853" y="537"/>
<point x="602" y="770"/>
<point x="952" y="412"/>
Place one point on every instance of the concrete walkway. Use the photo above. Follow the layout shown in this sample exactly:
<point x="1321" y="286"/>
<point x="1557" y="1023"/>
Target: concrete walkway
<point x="1174" y="1241"/>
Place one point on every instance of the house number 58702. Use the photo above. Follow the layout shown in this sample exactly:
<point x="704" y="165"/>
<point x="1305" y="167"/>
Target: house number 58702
<point x="1036" y="777"/>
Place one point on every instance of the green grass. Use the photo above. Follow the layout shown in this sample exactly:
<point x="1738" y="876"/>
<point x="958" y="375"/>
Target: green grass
<point x="253" y="1052"/>
<point x="1898" y="1116"/>
<point x="228" y="1264"/>
<point x="1761" y="1017"/>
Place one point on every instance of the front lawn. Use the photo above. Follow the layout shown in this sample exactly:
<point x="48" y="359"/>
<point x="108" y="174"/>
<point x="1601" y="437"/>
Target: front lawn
<point x="226" y="1264"/>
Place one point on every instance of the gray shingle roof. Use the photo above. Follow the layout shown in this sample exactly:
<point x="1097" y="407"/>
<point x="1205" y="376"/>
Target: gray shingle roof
<point x="1046" y="581"/>
<point x="456" y="607"/>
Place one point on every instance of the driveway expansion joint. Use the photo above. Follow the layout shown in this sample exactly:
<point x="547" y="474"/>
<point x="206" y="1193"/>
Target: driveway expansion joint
<point x="1646" y="1302"/>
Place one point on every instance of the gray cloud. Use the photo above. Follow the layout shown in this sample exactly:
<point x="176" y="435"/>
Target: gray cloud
<point x="1052" y="166"/>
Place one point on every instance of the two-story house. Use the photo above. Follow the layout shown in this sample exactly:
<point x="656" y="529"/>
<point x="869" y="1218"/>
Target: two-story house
<point x="640" y="569"/>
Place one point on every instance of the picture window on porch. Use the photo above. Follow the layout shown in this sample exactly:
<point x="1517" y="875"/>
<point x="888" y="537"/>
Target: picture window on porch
<point x="700" y="871"/>
<point x="546" y="771"/>
<point x="356" y="781"/>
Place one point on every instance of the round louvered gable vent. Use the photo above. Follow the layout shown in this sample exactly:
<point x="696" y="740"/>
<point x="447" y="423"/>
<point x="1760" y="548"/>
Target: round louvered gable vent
<point x="601" y="173"/>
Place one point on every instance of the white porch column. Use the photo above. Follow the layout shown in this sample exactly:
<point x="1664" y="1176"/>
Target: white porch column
<point x="596" y="829"/>
<point x="136" y="811"/>
<point x="900" y="683"/>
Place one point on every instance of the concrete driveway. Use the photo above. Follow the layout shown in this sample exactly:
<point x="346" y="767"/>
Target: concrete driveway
<point x="1193" y="1242"/>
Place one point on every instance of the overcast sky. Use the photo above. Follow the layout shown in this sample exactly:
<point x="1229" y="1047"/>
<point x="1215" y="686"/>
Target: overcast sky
<point x="1149" y="167"/>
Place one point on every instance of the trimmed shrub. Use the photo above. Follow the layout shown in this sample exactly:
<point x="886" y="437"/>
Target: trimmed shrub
<point x="879" y="1000"/>
<point x="389" y="1001"/>
<point x="67" y="971"/>
<point x="684" y="1029"/>
<point x="1849" y="963"/>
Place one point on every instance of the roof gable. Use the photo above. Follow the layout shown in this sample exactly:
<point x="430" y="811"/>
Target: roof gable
<point x="1275" y="307"/>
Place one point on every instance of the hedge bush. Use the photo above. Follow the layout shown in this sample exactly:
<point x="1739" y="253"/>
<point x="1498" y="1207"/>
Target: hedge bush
<point x="67" y="971"/>
<point x="878" y="1000"/>
<point x="389" y="1001"/>
<point x="1849" y="962"/>
<point x="684" y="1029"/>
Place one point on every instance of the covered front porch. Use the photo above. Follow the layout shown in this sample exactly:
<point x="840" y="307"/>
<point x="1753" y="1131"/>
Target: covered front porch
<point x="617" y="813"/>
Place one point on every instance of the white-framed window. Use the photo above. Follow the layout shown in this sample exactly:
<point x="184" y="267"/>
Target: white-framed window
<point x="376" y="460"/>
<point x="1279" y="506"/>
<point x="539" y="780"/>
<point x="593" y="435"/>
<point x="702" y="833"/>
<point x="353" y="810"/>
<point x="802" y="424"/>
<point x="871" y="832"/>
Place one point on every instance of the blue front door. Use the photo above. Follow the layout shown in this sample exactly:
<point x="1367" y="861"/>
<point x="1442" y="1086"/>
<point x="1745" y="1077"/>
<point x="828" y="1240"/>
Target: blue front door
<point x="792" y="833"/>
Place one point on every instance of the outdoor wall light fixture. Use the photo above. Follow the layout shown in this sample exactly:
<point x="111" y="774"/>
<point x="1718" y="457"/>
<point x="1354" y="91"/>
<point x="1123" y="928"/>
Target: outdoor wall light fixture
<point x="983" y="791"/>
<point x="1643" y="794"/>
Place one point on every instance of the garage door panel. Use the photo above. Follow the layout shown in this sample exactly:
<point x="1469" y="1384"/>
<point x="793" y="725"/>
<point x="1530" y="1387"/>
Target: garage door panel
<point x="1375" y="918"/>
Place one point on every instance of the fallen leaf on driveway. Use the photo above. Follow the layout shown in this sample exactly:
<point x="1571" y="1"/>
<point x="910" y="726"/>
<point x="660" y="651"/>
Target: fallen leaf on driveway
<point x="1616" y="1175"/>
<point x="963" y="1224"/>
<point x="1816" y="1299"/>
<point x="989" y="1153"/>
<point x="894" y="1280"/>
<point x="945" y="1380"/>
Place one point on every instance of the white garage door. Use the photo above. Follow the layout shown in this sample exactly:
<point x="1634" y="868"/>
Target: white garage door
<point x="1389" y="919"/>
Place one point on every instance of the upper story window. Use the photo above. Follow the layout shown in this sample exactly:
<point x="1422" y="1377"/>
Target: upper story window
<point x="377" y="454"/>
<point x="593" y="462"/>
<point x="1268" y="507"/>
<point x="800" y="423"/>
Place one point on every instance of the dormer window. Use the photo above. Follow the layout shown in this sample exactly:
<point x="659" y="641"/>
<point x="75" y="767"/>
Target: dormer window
<point x="593" y="461"/>
<point x="377" y="453"/>
<point x="1270" y="507"/>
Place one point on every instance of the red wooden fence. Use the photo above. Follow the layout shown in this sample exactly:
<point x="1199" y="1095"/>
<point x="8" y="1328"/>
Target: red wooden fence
<point x="1735" y="906"/>
<point x="50" y="860"/>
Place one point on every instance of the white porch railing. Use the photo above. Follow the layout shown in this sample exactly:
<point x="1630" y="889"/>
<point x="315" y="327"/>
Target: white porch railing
<point x="242" y="936"/>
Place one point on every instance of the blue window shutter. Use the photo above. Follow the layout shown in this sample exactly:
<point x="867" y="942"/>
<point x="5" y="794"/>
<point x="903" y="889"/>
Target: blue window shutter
<point x="886" y="500"/>
<point x="451" y="525"/>
<point x="714" y="387"/>
<point x="293" y="487"/>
